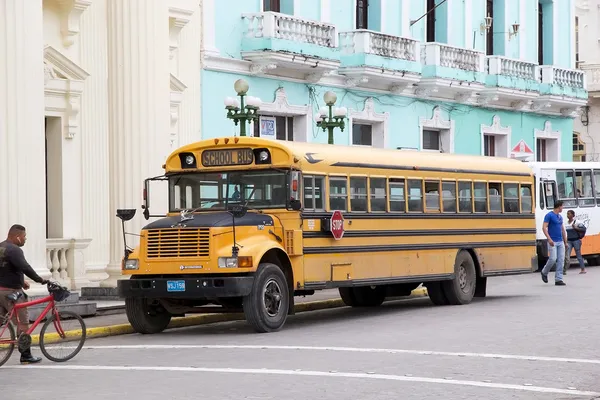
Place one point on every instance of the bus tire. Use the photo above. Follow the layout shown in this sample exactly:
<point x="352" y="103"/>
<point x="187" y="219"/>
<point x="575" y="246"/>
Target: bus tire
<point x="146" y="318"/>
<point x="436" y="293"/>
<point x="347" y="295"/>
<point x="367" y="296"/>
<point x="266" y="307"/>
<point x="461" y="289"/>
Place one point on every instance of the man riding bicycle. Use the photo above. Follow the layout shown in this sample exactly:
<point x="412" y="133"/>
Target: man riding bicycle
<point x="13" y="268"/>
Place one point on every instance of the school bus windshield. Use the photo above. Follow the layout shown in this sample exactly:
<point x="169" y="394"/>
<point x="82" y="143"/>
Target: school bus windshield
<point x="215" y="190"/>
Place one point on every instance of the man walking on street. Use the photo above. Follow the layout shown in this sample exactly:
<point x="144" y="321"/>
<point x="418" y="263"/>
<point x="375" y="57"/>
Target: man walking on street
<point x="557" y="241"/>
<point x="13" y="267"/>
<point x="574" y="235"/>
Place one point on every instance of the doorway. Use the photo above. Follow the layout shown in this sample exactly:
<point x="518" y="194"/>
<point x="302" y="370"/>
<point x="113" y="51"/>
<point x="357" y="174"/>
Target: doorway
<point x="54" y="180"/>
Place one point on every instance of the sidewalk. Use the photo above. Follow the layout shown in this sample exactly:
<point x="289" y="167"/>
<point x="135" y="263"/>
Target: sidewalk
<point x="117" y="324"/>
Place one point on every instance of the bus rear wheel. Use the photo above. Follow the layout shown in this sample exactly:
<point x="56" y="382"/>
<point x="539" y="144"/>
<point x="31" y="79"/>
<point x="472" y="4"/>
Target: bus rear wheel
<point x="146" y="317"/>
<point x="363" y="296"/>
<point x="461" y="289"/>
<point x="266" y="307"/>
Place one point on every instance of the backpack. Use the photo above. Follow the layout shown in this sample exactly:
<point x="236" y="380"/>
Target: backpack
<point x="581" y="229"/>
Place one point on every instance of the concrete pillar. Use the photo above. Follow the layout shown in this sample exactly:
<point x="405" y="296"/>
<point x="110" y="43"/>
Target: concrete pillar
<point x="22" y="144"/>
<point x="94" y="142"/>
<point x="138" y="90"/>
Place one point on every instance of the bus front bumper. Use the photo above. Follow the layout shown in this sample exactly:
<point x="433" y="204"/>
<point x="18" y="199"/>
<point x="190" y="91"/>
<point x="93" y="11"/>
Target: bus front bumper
<point x="185" y="288"/>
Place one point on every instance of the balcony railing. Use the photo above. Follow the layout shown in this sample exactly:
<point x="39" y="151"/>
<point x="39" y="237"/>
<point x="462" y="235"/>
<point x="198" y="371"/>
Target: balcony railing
<point x="287" y="27"/>
<point x="370" y="42"/>
<point x="452" y="57"/>
<point x="573" y="78"/>
<point x="65" y="261"/>
<point x="498" y="65"/>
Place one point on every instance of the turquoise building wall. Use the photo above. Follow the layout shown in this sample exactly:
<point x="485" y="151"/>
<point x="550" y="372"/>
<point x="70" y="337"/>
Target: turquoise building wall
<point x="458" y="24"/>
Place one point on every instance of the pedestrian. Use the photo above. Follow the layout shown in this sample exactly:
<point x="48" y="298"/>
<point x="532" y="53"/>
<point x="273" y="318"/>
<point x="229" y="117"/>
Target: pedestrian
<point x="575" y="233"/>
<point x="557" y="240"/>
<point x="13" y="268"/>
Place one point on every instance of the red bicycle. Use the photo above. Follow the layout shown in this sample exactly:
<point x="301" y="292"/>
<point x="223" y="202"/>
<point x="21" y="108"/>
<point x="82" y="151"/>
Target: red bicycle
<point x="57" y="320"/>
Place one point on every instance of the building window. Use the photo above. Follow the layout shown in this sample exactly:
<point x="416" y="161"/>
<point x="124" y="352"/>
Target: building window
<point x="431" y="140"/>
<point x="362" y="134"/>
<point x="272" y="5"/>
<point x="547" y="143"/>
<point x="489" y="145"/>
<point x="540" y="34"/>
<point x="362" y="14"/>
<point x="430" y="21"/>
<point x="284" y="128"/>
<point x="541" y="150"/>
<point x="576" y="42"/>
<point x="489" y="44"/>
<point x="578" y="148"/>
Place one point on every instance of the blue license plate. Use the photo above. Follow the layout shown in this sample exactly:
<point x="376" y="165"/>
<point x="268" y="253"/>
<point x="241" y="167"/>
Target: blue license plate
<point x="175" y="286"/>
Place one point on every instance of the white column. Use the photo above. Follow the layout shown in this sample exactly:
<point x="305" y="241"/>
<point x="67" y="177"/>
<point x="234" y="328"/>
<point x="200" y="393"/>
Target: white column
<point x="190" y="72"/>
<point x="209" y="47"/>
<point x="138" y="89"/>
<point x="94" y="139"/>
<point x="22" y="165"/>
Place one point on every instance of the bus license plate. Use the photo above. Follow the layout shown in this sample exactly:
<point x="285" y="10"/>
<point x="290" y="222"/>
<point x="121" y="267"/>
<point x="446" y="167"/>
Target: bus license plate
<point x="175" y="286"/>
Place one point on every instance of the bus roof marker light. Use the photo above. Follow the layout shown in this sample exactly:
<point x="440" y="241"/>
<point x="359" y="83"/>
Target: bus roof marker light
<point x="236" y="139"/>
<point x="226" y="140"/>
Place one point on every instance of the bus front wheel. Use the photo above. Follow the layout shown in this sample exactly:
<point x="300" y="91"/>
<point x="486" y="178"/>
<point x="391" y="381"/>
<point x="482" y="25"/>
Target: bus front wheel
<point x="266" y="307"/>
<point x="146" y="317"/>
<point x="461" y="289"/>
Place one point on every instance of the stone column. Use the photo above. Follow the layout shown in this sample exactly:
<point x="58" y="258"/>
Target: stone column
<point x="138" y="91"/>
<point x="94" y="142"/>
<point x="22" y="144"/>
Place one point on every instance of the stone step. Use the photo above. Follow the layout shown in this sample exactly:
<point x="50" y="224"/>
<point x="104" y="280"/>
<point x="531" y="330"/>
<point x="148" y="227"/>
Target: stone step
<point x="72" y="299"/>
<point x="84" y="309"/>
<point x="99" y="293"/>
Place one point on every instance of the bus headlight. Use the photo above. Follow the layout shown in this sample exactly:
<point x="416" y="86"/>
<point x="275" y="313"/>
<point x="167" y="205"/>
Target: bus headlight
<point x="131" y="264"/>
<point x="235" y="262"/>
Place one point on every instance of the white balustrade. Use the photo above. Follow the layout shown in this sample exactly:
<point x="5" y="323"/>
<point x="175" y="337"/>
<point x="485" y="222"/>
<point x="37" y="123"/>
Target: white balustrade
<point x="444" y="55"/>
<point x="574" y="78"/>
<point x="499" y="65"/>
<point x="65" y="261"/>
<point x="592" y="76"/>
<point x="283" y="26"/>
<point x="370" y="42"/>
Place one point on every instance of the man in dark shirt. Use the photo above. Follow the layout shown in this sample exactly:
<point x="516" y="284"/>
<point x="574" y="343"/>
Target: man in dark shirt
<point x="13" y="268"/>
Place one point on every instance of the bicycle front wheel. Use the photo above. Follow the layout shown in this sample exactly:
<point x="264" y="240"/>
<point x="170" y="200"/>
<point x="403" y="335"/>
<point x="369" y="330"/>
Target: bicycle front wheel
<point x="61" y="339"/>
<point x="7" y="341"/>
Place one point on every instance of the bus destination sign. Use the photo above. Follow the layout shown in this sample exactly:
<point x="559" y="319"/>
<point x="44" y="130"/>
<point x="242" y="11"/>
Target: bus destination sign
<point x="220" y="158"/>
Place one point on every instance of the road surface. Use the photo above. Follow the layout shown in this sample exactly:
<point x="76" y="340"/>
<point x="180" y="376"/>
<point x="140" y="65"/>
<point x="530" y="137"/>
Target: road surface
<point x="526" y="340"/>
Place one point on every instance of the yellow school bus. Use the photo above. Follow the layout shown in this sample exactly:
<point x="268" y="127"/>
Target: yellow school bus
<point x="254" y="222"/>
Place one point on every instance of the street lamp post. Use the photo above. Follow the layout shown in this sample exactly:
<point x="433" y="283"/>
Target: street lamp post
<point x="242" y="111"/>
<point x="330" y="118"/>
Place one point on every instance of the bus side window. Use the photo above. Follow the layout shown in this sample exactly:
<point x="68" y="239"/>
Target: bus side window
<point x="495" y="197"/>
<point x="313" y="192"/>
<point x="480" y="196"/>
<point x="597" y="185"/>
<point x="378" y="194"/>
<point x="541" y="195"/>
<point x="358" y="194"/>
<point x="565" y="180"/>
<point x="584" y="189"/>
<point x="432" y="196"/>
<point x="415" y="195"/>
<point x="526" y="199"/>
<point x="449" y="197"/>
<point x="397" y="195"/>
<point x="465" y="197"/>
<point x="338" y="193"/>
<point x="511" y="197"/>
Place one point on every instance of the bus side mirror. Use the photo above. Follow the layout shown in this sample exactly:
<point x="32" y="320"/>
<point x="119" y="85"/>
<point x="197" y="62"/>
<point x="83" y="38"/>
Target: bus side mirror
<point x="237" y="210"/>
<point x="295" y="204"/>
<point x="125" y="214"/>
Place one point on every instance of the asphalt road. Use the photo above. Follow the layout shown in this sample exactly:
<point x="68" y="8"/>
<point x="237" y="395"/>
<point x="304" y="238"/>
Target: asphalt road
<point x="526" y="340"/>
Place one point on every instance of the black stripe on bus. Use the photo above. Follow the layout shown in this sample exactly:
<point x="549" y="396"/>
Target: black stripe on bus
<point x="350" y="215"/>
<point x="377" y="281"/>
<point x="407" y="232"/>
<point x="505" y="272"/>
<point x="419" y="246"/>
<point x="427" y="169"/>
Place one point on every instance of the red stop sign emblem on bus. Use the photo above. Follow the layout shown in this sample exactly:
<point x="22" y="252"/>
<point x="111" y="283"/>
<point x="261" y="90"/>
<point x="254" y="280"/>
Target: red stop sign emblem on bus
<point x="337" y="225"/>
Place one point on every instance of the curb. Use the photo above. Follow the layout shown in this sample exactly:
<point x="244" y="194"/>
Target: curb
<point x="204" y="319"/>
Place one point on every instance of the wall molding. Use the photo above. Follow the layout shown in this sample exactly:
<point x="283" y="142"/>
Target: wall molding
<point x="496" y="129"/>
<point x="437" y="123"/>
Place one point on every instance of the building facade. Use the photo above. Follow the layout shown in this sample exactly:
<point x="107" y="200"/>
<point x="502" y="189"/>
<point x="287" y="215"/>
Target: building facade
<point x="586" y="135"/>
<point x="483" y="77"/>
<point x="94" y="94"/>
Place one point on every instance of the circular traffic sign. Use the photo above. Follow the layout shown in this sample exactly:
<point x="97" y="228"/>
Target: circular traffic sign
<point x="337" y="225"/>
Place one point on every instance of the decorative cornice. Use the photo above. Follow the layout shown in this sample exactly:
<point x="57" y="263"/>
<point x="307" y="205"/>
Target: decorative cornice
<point x="63" y="65"/>
<point x="178" y="18"/>
<point x="176" y="84"/>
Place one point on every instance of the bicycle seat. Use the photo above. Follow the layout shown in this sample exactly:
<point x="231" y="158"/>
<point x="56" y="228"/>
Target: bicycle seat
<point x="14" y="296"/>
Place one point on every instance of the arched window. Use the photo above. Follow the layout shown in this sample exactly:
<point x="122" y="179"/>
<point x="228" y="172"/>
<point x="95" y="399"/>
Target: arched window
<point x="578" y="148"/>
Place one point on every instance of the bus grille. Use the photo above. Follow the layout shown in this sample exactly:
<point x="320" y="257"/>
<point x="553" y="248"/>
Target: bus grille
<point x="175" y="243"/>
